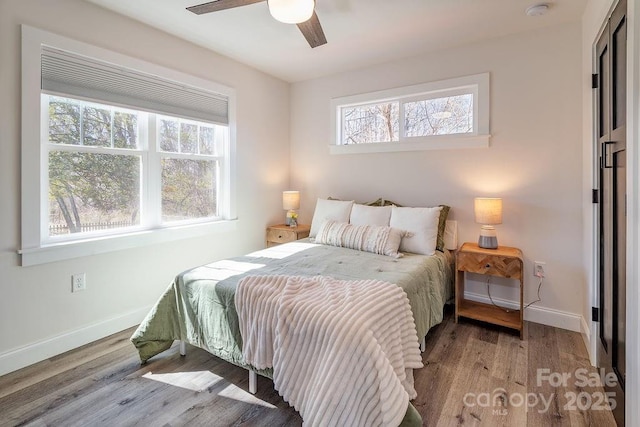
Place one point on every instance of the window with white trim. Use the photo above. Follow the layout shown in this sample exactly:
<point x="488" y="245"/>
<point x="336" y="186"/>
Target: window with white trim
<point x="124" y="147"/>
<point x="96" y="157"/>
<point x="451" y="113"/>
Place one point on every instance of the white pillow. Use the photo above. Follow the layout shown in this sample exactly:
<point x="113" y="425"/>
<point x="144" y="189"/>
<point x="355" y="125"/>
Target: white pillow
<point x="422" y="225"/>
<point x="337" y="210"/>
<point x="370" y="215"/>
<point x="382" y="240"/>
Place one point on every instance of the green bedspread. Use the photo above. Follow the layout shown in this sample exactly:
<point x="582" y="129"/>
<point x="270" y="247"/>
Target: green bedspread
<point x="198" y="307"/>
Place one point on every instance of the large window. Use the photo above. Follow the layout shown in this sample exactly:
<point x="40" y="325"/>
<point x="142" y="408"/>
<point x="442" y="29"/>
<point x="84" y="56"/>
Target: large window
<point x="127" y="153"/>
<point x="446" y="114"/>
<point x="96" y="156"/>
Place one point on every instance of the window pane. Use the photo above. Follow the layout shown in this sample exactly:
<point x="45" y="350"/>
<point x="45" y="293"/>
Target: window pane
<point x="206" y="140"/>
<point x="188" y="138"/>
<point x="188" y="189"/>
<point x="125" y="130"/>
<point x="370" y="123"/>
<point x="64" y="121"/>
<point x="96" y="125"/>
<point x="89" y="192"/>
<point x="169" y="135"/>
<point x="439" y="116"/>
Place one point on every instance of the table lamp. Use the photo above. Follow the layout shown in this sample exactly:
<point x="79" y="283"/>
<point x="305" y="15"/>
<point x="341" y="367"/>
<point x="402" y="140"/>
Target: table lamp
<point x="291" y="202"/>
<point x="488" y="212"/>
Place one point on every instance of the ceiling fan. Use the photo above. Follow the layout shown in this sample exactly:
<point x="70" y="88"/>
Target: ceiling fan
<point x="299" y="12"/>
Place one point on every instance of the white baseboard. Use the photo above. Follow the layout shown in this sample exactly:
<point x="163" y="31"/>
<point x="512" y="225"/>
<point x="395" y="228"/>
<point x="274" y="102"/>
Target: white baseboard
<point x="585" y="331"/>
<point x="21" y="357"/>
<point x="546" y="316"/>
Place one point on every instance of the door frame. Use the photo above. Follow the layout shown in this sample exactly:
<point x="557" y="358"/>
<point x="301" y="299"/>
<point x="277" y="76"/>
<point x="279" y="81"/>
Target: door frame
<point x="632" y="389"/>
<point x="632" y="384"/>
<point x="594" y="288"/>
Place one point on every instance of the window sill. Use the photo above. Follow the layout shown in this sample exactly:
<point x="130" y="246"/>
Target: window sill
<point x="68" y="250"/>
<point x="434" y="143"/>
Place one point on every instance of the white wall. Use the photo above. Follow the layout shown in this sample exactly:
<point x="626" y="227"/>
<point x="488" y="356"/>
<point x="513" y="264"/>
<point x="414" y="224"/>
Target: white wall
<point x="534" y="161"/>
<point x="39" y="316"/>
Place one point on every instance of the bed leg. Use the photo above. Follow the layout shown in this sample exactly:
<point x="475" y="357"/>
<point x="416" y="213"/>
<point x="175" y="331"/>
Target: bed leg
<point x="253" y="382"/>
<point x="183" y="348"/>
<point x="423" y="344"/>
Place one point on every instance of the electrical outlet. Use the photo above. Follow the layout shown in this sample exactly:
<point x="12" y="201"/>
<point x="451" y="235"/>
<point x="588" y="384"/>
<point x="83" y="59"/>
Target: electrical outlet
<point x="538" y="268"/>
<point x="78" y="282"/>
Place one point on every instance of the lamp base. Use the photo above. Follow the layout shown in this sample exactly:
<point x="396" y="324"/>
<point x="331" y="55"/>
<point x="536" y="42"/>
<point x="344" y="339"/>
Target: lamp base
<point x="487" y="242"/>
<point x="290" y="220"/>
<point x="488" y="238"/>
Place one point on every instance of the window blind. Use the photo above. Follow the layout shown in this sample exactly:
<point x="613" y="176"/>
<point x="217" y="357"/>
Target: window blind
<point x="65" y="73"/>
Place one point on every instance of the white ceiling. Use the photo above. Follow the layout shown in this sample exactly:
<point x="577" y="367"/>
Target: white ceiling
<point x="360" y="33"/>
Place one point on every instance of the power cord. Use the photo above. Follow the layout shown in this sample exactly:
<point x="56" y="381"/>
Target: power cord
<point x="539" y="299"/>
<point x="506" y="310"/>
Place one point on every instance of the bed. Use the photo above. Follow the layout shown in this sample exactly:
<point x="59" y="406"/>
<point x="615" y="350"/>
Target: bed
<point x="198" y="307"/>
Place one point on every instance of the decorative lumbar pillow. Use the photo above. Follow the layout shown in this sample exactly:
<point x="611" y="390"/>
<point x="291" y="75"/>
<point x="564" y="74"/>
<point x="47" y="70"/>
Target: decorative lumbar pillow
<point x="380" y="240"/>
<point x="442" y="224"/>
<point x="336" y="210"/>
<point x="422" y="226"/>
<point x="370" y="215"/>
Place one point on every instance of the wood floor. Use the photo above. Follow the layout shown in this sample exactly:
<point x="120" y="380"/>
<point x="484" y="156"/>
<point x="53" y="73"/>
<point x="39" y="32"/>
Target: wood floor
<point x="474" y="375"/>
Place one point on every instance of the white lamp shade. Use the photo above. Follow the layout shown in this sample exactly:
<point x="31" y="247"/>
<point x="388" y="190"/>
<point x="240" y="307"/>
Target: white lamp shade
<point x="291" y="11"/>
<point x="290" y="200"/>
<point x="488" y="210"/>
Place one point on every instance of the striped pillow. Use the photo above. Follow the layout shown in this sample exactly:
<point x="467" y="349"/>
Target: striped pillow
<point x="380" y="240"/>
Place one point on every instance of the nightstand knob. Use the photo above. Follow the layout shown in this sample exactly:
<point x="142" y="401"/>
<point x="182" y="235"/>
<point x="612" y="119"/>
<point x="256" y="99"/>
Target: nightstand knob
<point x="280" y="236"/>
<point x="487" y="266"/>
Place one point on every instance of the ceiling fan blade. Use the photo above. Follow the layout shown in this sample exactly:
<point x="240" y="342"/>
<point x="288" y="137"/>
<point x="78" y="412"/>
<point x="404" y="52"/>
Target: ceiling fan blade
<point x="312" y="31"/>
<point x="214" y="6"/>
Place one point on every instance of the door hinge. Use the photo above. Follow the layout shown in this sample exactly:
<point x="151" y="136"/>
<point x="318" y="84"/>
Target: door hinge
<point x="595" y="314"/>
<point x="595" y="196"/>
<point x="594" y="81"/>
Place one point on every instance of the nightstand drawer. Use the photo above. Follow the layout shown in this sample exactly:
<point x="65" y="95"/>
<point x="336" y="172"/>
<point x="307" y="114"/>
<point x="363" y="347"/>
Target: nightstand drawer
<point x="281" y="236"/>
<point x="493" y="265"/>
<point x="281" y="233"/>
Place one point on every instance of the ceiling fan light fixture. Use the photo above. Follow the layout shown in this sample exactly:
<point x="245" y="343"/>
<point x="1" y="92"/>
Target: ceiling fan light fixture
<point x="291" y="11"/>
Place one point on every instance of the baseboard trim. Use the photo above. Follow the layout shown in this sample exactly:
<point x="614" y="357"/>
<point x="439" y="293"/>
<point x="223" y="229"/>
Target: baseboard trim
<point x="586" y="337"/>
<point x="21" y="357"/>
<point x="537" y="314"/>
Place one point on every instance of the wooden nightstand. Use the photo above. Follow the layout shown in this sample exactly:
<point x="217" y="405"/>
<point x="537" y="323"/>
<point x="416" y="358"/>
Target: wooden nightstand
<point x="281" y="233"/>
<point x="502" y="262"/>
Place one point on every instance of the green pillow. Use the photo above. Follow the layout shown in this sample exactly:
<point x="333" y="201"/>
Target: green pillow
<point x="442" y="223"/>
<point x="383" y="202"/>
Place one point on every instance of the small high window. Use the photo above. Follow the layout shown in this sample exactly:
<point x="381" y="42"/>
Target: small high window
<point x="446" y="114"/>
